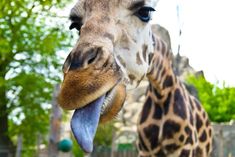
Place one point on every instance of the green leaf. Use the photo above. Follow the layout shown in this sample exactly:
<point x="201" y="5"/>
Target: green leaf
<point x="219" y="102"/>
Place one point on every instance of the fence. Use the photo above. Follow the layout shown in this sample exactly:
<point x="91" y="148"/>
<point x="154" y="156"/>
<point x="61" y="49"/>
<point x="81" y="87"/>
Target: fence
<point x="121" y="152"/>
<point x="224" y="140"/>
<point x="223" y="144"/>
<point x="115" y="154"/>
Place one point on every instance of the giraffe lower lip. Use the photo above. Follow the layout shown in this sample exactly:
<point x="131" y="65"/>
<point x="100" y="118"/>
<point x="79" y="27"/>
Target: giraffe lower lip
<point x="107" y="102"/>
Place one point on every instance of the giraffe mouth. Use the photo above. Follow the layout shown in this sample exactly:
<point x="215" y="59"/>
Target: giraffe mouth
<point x="96" y="96"/>
<point x="85" y="120"/>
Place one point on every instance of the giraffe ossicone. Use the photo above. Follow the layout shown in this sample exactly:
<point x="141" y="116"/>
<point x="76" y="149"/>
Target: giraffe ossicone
<point x="117" y="48"/>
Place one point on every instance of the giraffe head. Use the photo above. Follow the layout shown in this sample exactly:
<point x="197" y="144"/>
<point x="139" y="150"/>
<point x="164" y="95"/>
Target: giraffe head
<point x="111" y="54"/>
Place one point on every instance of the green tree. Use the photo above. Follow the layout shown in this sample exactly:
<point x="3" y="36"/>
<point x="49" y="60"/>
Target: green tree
<point x="219" y="102"/>
<point x="30" y="36"/>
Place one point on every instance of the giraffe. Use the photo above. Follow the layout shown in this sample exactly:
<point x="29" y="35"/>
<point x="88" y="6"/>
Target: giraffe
<point x="116" y="50"/>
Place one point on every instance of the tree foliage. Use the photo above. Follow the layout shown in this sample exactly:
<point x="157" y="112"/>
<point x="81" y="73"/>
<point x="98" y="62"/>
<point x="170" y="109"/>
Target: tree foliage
<point x="219" y="102"/>
<point x="104" y="134"/>
<point x="103" y="138"/>
<point x="30" y="36"/>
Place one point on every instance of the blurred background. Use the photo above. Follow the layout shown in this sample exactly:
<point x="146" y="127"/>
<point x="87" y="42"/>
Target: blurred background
<point x="35" y="39"/>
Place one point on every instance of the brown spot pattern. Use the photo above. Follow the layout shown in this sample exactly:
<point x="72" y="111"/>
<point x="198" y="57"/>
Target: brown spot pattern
<point x="203" y="136"/>
<point x="168" y="82"/>
<point x="157" y="112"/>
<point x="185" y="153"/>
<point x="146" y="110"/>
<point x="145" y="48"/>
<point x="198" y="105"/>
<point x="172" y="147"/>
<point x="138" y="59"/>
<point x="198" y="122"/>
<point x="151" y="132"/>
<point x="179" y="104"/>
<point x="181" y="138"/>
<point x="170" y="128"/>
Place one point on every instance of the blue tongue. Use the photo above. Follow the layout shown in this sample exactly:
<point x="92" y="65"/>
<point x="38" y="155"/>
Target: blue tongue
<point x="84" y="124"/>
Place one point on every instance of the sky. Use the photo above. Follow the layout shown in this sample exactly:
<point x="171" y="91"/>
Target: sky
<point x="208" y="32"/>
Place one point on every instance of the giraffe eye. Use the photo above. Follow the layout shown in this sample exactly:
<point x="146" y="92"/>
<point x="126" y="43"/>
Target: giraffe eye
<point x="76" y="22"/>
<point x="75" y="25"/>
<point x="144" y="13"/>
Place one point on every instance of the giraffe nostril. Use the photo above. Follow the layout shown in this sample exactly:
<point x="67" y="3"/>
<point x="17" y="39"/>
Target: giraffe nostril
<point x="82" y="59"/>
<point x="92" y="55"/>
<point x="76" y="62"/>
<point x="92" y="58"/>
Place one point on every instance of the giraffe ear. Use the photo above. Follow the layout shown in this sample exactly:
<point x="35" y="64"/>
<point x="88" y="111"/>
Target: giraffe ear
<point x="67" y="64"/>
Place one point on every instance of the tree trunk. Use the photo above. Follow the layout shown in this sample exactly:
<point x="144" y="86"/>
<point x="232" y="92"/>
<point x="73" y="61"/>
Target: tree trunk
<point x="39" y="137"/>
<point x="5" y="142"/>
<point x="19" y="145"/>
<point x="55" y="123"/>
<point x="6" y="145"/>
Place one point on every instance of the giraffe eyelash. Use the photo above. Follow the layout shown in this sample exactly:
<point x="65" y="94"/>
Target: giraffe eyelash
<point x="75" y="25"/>
<point x="144" y="13"/>
<point x="76" y="22"/>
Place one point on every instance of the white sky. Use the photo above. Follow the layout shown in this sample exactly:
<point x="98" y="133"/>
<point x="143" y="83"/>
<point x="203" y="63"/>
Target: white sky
<point x="208" y="32"/>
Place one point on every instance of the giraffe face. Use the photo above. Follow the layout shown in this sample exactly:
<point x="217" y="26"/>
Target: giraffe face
<point x="111" y="54"/>
<point x="134" y="43"/>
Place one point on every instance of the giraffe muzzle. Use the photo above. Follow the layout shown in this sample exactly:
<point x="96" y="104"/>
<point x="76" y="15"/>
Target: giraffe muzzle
<point x="93" y="87"/>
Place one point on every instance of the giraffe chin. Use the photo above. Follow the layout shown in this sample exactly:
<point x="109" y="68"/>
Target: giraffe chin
<point x="85" y="120"/>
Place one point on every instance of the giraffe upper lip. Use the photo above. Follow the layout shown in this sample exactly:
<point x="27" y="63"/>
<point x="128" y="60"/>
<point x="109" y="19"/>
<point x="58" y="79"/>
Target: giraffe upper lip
<point x="81" y="87"/>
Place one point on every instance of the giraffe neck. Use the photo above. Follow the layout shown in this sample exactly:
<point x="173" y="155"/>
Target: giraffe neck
<point x="172" y="122"/>
<point x="161" y="76"/>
